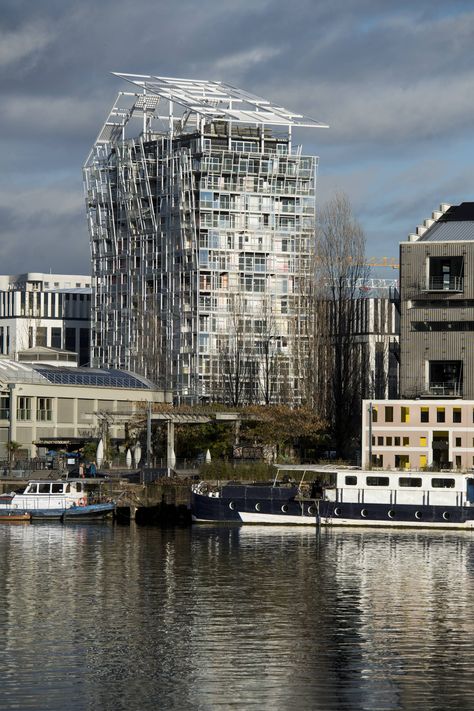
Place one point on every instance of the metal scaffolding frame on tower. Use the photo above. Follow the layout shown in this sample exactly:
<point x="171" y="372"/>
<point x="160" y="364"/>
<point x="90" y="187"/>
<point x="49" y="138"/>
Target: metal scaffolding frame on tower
<point x="201" y="215"/>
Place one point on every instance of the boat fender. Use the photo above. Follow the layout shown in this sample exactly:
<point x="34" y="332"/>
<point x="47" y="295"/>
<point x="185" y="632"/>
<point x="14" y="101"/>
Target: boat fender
<point x="83" y="501"/>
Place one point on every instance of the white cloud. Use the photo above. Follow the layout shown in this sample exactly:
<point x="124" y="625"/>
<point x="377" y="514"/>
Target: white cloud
<point x="19" y="44"/>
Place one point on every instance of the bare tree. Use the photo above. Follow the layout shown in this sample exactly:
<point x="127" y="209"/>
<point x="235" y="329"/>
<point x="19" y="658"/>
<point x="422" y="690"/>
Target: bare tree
<point x="339" y="360"/>
<point x="235" y="363"/>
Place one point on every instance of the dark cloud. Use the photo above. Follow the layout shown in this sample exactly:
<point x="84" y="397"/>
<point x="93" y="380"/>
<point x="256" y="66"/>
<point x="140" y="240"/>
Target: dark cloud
<point x="394" y="81"/>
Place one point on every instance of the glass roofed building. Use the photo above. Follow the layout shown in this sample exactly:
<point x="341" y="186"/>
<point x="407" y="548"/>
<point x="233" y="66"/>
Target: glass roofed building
<point x="60" y="407"/>
<point x="201" y="214"/>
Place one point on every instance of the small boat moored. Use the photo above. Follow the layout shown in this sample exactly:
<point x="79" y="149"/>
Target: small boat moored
<point x="61" y="500"/>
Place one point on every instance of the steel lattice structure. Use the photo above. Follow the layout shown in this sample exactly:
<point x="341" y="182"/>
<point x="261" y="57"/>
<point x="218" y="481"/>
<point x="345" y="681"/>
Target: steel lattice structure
<point x="201" y="216"/>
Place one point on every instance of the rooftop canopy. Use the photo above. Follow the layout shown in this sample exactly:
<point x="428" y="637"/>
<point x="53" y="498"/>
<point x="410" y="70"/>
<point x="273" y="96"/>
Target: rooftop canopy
<point x="215" y="99"/>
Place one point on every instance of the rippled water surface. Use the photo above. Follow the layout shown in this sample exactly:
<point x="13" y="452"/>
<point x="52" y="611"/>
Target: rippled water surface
<point x="109" y="617"/>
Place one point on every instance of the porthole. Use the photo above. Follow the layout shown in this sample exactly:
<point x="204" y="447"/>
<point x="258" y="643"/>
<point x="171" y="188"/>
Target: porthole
<point x="337" y="512"/>
<point x="311" y="511"/>
<point x="284" y="508"/>
<point x="391" y="514"/>
<point x="257" y="507"/>
<point x="418" y="515"/>
<point x="363" y="513"/>
<point x="232" y="505"/>
<point x="446" y="516"/>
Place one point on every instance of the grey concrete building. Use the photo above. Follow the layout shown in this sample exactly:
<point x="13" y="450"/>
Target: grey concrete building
<point x="437" y="306"/>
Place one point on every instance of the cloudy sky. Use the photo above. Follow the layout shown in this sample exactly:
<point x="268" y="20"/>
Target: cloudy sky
<point x="395" y="81"/>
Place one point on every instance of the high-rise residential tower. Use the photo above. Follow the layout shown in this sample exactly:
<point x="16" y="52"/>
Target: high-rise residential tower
<point x="201" y="215"/>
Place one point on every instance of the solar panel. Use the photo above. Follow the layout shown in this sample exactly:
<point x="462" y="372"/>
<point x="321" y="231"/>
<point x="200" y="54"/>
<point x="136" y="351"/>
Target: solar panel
<point x="93" y="377"/>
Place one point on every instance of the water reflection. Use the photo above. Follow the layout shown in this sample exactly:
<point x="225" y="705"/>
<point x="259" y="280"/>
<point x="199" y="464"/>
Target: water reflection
<point x="107" y="617"/>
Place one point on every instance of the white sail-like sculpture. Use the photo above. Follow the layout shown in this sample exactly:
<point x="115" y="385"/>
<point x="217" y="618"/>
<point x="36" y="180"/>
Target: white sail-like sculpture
<point x="128" y="459"/>
<point x="99" y="457"/>
<point x="137" y="454"/>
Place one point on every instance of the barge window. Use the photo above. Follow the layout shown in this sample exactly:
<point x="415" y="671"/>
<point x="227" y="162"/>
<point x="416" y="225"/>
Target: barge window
<point x="33" y="488"/>
<point x="409" y="481"/>
<point x="351" y="480"/>
<point x="44" y="488"/>
<point x="442" y="483"/>
<point x="377" y="481"/>
<point x="57" y="488"/>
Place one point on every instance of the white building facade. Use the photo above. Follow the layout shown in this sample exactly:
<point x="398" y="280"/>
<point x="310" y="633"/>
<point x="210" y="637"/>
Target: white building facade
<point x="45" y="310"/>
<point x="201" y="214"/>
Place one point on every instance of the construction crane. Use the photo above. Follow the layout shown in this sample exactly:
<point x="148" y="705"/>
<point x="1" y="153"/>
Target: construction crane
<point x="382" y="262"/>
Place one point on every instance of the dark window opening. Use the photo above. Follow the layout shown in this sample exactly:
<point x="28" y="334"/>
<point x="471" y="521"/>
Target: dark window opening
<point x="446" y="274"/>
<point x="446" y="377"/>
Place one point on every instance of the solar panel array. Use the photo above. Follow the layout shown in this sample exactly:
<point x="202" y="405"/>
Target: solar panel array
<point x="93" y="377"/>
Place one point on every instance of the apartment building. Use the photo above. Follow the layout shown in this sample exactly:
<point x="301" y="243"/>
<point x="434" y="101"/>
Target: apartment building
<point x="201" y="213"/>
<point x="45" y="310"/>
<point x="437" y="306"/>
<point x="416" y="434"/>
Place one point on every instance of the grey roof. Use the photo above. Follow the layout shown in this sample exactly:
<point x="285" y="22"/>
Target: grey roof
<point x="15" y="372"/>
<point x="462" y="231"/>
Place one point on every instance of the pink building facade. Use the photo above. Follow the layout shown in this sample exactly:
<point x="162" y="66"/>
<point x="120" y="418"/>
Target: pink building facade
<point x="418" y="434"/>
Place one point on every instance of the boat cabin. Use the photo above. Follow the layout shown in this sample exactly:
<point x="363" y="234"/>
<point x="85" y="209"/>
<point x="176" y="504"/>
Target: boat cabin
<point x="396" y="487"/>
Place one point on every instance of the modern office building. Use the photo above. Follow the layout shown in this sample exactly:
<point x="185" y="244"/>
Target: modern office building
<point x="437" y="306"/>
<point x="201" y="214"/>
<point x="45" y="310"/>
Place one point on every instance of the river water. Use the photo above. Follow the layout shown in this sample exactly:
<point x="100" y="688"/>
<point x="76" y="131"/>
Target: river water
<point x="111" y="617"/>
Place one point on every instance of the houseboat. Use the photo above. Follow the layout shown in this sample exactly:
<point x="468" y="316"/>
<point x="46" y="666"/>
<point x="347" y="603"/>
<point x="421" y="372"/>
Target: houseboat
<point x="344" y="497"/>
<point x="62" y="500"/>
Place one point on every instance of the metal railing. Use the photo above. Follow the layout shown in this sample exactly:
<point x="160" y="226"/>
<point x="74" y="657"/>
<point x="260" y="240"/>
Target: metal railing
<point x="441" y="283"/>
<point x="445" y="388"/>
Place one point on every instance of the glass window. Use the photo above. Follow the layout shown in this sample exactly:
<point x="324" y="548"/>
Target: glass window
<point x="425" y="414"/>
<point x="374" y="414"/>
<point x="388" y="441"/>
<point x="23" y="411"/>
<point x="406" y="441"/>
<point x="388" y="413"/>
<point x="457" y="414"/>
<point x="405" y="414"/>
<point x="442" y="483"/>
<point x="380" y="441"/>
<point x="57" y="488"/>
<point x="397" y="441"/>
<point x="44" y="488"/>
<point x="422" y="441"/>
<point x="44" y="409"/>
<point x="409" y="481"/>
<point x="440" y="414"/>
<point x="377" y="481"/>
<point x="458" y="442"/>
<point x="351" y="480"/>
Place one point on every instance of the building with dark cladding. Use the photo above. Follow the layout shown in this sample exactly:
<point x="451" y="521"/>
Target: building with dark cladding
<point x="437" y="306"/>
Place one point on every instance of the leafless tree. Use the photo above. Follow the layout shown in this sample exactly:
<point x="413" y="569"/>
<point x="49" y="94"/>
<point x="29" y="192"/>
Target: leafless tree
<point x="235" y="364"/>
<point x="338" y="358"/>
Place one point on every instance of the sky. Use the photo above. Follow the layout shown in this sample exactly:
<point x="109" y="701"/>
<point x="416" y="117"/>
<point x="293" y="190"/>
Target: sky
<point x="394" y="80"/>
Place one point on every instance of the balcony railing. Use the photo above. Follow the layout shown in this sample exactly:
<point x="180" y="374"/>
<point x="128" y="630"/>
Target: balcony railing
<point x="440" y="283"/>
<point x="445" y="389"/>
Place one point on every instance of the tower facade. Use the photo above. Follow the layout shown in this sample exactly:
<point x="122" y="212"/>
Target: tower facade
<point x="201" y="216"/>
